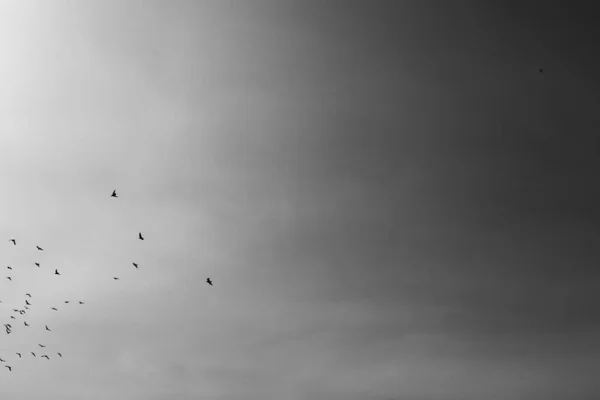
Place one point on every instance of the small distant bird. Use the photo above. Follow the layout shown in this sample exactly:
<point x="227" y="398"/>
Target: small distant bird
<point x="9" y="278"/>
<point x="60" y="355"/>
<point x="66" y="301"/>
<point x="9" y="367"/>
<point x="19" y="354"/>
<point x="25" y="322"/>
<point x="56" y="272"/>
<point x="41" y="345"/>
<point x="25" y="307"/>
<point x="541" y="70"/>
<point x="81" y="302"/>
<point x="9" y="267"/>
<point x="1" y="360"/>
<point x="48" y="329"/>
<point x="27" y="302"/>
<point x="135" y="265"/>
<point x="39" y="248"/>
<point x="115" y="278"/>
<point x="33" y="353"/>
<point x="13" y="317"/>
<point x="21" y="312"/>
<point x="54" y="308"/>
<point x="38" y="264"/>
<point x="13" y="240"/>
<point x="27" y="294"/>
<point x="114" y="194"/>
<point x="209" y="281"/>
<point x="47" y="358"/>
<point x="15" y="310"/>
<point x="140" y="236"/>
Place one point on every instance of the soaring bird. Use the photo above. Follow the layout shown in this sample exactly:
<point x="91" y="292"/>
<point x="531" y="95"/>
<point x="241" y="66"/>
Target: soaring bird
<point x="9" y="267"/>
<point x="55" y="309"/>
<point x="41" y="345"/>
<point x="21" y="312"/>
<point x="81" y="302"/>
<point x="9" y="367"/>
<point x="115" y="278"/>
<point x="60" y="355"/>
<point x="56" y="272"/>
<point x="38" y="264"/>
<point x="66" y="301"/>
<point x="27" y="294"/>
<point x="209" y="281"/>
<point x="33" y="354"/>
<point x="19" y="354"/>
<point x="39" y="248"/>
<point x="13" y="317"/>
<point x="25" y="307"/>
<point x="47" y="358"/>
<point x="48" y="329"/>
<point x="114" y="194"/>
<point x="13" y="240"/>
<point x="9" y="278"/>
<point x="1" y="360"/>
<point x="25" y="323"/>
<point x="140" y="236"/>
<point x="135" y="265"/>
<point x="27" y="302"/>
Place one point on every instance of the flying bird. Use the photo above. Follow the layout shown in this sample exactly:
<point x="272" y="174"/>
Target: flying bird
<point x="209" y="281"/>
<point x="13" y="317"/>
<point x="1" y="360"/>
<point x="38" y="264"/>
<point x="9" y="267"/>
<point x="56" y="272"/>
<point x="27" y="302"/>
<point x="81" y="302"/>
<point x="19" y="354"/>
<point x="47" y="358"/>
<point x="115" y="278"/>
<point x="135" y="265"/>
<point x="114" y="194"/>
<point x="25" y="323"/>
<point x="9" y="367"/>
<point x="60" y="355"/>
<point x="140" y="236"/>
<point x="9" y="278"/>
<point x="41" y="345"/>
<point x="13" y="240"/>
<point x="39" y="248"/>
<point x="33" y="353"/>
<point x="66" y="301"/>
<point x="48" y="329"/>
<point x="54" y="308"/>
<point x="27" y="294"/>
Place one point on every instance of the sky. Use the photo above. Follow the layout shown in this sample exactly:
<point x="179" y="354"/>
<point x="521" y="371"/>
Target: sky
<point x="391" y="200"/>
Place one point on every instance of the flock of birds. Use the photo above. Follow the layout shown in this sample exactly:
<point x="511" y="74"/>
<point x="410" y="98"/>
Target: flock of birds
<point x="22" y="312"/>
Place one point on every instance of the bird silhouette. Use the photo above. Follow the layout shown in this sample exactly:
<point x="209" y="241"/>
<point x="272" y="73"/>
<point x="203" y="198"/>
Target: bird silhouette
<point x="140" y="236"/>
<point x="81" y="302"/>
<point x="39" y="248"/>
<point x="115" y="278"/>
<point x="9" y="367"/>
<point x="25" y="323"/>
<point x="19" y="354"/>
<point x="13" y="317"/>
<point x="9" y="278"/>
<point x="32" y="353"/>
<point x="60" y="355"/>
<point x="114" y="194"/>
<point x="27" y="294"/>
<point x="1" y="360"/>
<point x="55" y="309"/>
<point x="209" y="281"/>
<point x="27" y="302"/>
<point x="48" y="329"/>
<point x="9" y="267"/>
<point x="56" y="272"/>
<point x="38" y="264"/>
<point x="13" y="240"/>
<point x="66" y="301"/>
<point x="41" y="345"/>
<point x="135" y="265"/>
<point x="47" y="358"/>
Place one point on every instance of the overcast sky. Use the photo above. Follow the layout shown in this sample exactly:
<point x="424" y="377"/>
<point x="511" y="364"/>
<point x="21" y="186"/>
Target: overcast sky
<point x="392" y="201"/>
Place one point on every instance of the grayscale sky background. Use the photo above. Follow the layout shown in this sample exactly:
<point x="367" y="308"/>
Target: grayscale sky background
<point x="392" y="202"/>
